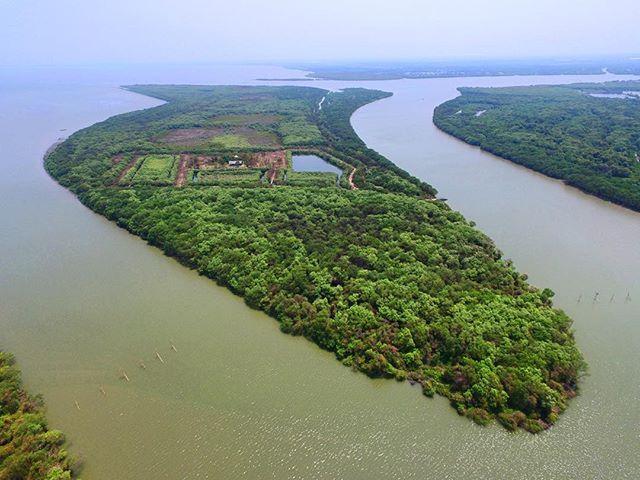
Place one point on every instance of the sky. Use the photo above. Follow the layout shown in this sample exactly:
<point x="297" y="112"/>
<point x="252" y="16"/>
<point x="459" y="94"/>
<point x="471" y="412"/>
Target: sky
<point x="67" y="32"/>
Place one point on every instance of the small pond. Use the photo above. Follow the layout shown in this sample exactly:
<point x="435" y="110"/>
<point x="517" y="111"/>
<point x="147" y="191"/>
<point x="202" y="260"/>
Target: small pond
<point x="313" y="163"/>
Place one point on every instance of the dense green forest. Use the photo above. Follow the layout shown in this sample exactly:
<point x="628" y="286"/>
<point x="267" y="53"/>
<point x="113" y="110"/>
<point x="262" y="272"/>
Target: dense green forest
<point x="373" y="268"/>
<point x="584" y="134"/>
<point x="28" y="449"/>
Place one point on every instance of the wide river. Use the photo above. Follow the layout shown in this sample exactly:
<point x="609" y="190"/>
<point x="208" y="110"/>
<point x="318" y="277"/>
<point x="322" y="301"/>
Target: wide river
<point x="82" y="301"/>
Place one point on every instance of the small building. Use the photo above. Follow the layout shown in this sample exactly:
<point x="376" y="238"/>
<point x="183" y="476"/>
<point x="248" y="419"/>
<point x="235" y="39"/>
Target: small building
<point x="235" y="163"/>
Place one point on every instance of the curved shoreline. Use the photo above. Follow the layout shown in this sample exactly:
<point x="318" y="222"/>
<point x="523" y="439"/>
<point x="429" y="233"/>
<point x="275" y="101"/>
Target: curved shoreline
<point x="327" y="404"/>
<point x="587" y="183"/>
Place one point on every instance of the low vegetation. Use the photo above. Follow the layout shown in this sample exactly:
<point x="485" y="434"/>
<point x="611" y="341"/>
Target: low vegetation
<point x="154" y="169"/>
<point x="393" y="282"/>
<point x="28" y="449"/>
<point x="584" y="134"/>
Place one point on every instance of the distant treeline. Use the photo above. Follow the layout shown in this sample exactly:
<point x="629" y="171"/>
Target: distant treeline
<point x="468" y="68"/>
<point x="590" y="142"/>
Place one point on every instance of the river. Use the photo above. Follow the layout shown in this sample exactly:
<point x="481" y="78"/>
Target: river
<point x="82" y="301"/>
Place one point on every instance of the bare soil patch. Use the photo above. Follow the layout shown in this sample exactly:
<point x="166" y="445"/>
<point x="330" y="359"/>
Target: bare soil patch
<point x="351" y="184"/>
<point x="186" y="162"/>
<point x="273" y="160"/>
<point x="257" y="137"/>
<point x="198" y="136"/>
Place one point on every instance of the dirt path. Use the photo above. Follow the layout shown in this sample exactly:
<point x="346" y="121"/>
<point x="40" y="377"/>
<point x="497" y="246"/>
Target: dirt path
<point x="272" y="175"/>
<point x="181" y="178"/>
<point x="350" y="179"/>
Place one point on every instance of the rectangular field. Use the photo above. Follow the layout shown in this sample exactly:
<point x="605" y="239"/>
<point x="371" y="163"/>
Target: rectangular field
<point x="230" y="177"/>
<point x="311" y="179"/>
<point x="154" y="170"/>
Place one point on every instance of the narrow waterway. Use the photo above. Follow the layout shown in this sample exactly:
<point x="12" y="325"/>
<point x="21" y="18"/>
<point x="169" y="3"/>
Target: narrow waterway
<point x="82" y="302"/>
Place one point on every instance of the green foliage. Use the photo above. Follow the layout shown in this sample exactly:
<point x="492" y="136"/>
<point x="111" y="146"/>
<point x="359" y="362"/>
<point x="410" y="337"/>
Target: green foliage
<point x="298" y="131"/>
<point x="311" y="179"/>
<point x="231" y="177"/>
<point x="395" y="285"/>
<point x="591" y="143"/>
<point x="153" y="169"/>
<point x="28" y="450"/>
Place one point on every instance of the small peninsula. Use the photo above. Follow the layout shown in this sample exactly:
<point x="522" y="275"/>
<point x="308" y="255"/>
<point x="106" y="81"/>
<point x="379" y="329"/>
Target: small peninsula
<point x="366" y="263"/>
<point x="583" y="134"/>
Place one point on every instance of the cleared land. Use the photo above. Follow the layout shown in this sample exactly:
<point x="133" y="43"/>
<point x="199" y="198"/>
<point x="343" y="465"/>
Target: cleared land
<point x="228" y="138"/>
<point x="152" y="169"/>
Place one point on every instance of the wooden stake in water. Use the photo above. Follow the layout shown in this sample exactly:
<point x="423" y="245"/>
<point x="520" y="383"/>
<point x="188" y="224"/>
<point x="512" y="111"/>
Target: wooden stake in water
<point x="595" y="297"/>
<point x="142" y="365"/>
<point x="579" y="299"/>
<point x="628" y="299"/>
<point x="159" y="357"/>
<point x="173" y="347"/>
<point x="125" y="376"/>
<point x="77" y="405"/>
<point x="103" y="392"/>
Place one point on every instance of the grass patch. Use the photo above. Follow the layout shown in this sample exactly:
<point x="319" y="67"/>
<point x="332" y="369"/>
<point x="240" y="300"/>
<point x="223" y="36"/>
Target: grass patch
<point x="311" y="179"/>
<point x="230" y="177"/>
<point x="298" y="131"/>
<point x="154" y="169"/>
<point x="246" y="120"/>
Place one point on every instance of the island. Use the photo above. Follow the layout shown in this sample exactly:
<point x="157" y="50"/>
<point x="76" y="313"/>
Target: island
<point x="583" y="134"/>
<point x="366" y="263"/>
<point x="28" y="449"/>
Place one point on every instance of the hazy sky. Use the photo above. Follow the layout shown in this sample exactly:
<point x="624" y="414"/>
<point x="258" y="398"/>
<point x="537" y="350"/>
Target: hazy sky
<point x="111" y="31"/>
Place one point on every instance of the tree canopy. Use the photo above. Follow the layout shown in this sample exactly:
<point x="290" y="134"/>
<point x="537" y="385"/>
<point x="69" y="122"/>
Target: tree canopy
<point x="584" y="134"/>
<point x="395" y="283"/>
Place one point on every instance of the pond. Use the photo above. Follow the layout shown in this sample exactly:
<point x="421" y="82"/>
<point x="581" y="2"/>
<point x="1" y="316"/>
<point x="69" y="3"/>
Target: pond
<point x="313" y="163"/>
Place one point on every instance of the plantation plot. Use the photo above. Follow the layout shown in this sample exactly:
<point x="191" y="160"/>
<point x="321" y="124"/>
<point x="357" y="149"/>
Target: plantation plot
<point x="153" y="169"/>
<point x="229" y="177"/>
<point x="311" y="179"/>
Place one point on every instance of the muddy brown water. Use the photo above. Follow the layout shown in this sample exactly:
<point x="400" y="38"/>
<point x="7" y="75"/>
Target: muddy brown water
<point x="82" y="302"/>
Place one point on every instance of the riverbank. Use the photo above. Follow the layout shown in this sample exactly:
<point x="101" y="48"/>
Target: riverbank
<point x="594" y="149"/>
<point x="93" y="299"/>
<point x="28" y="449"/>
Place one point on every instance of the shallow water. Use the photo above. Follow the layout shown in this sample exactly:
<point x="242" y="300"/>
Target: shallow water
<point x="313" y="163"/>
<point x="81" y="301"/>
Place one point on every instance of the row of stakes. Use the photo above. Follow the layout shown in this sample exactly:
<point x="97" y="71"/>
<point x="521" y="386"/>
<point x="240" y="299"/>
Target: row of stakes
<point x="124" y="375"/>
<point x="596" y="298"/>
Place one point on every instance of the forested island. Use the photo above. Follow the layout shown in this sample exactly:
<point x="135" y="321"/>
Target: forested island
<point x="28" y="449"/>
<point x="584" y="134"/>
<point x="368" y="265"/>
<point x="393" y="70"/>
